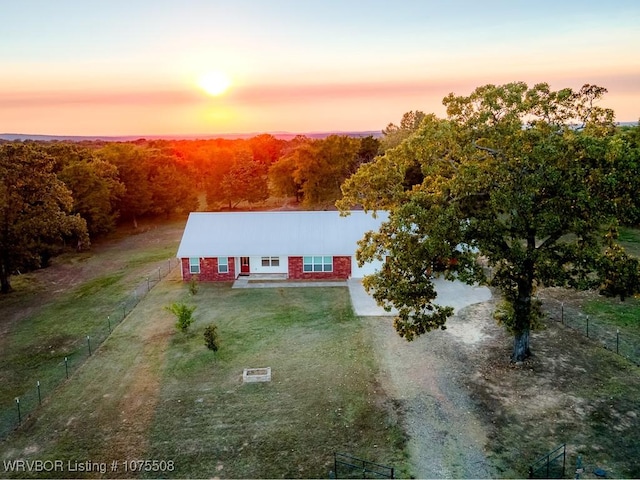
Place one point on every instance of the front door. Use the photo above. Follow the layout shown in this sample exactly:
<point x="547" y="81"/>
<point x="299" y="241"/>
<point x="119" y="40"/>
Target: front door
<point x="244" y="266"/>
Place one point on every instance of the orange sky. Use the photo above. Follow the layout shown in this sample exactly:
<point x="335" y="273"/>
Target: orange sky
<point x="132" y="68"/>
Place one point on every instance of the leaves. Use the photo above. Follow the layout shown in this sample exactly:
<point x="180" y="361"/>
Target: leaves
<point x="35" y="211"/>
<point x="184" y="315"/>
<point x="507" y="179"/>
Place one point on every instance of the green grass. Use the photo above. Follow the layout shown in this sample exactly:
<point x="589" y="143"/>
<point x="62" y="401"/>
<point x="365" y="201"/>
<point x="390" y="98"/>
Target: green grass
<point x="630" y="239"/>
<point x="322" y="397"/>
<point x="36" y="346"/>
<point x="152" y="392"/>
<point x="54" y="319"/>
<point x="615" y="313"/>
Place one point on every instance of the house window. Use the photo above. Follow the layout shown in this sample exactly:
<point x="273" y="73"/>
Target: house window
<point x="223" y="265"/>
<point x="194" y="265"/>
<point x="270" y="261"/>
<point x="317" y="264"/>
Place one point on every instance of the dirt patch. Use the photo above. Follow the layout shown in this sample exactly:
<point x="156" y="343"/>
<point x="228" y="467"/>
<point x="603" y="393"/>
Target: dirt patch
<point x="470" y="413"/>
<point x="426" y="380"/>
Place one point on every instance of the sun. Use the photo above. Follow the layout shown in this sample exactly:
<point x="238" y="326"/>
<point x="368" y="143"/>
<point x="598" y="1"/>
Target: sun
<point x="214" y="82"/>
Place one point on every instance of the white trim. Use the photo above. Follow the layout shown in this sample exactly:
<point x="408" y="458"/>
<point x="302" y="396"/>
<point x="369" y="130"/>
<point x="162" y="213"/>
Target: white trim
<point x="226" y="265"/>
<point x="191" y="266"/>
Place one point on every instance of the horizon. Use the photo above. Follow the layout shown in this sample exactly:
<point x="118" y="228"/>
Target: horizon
<point x="126" y="69"/>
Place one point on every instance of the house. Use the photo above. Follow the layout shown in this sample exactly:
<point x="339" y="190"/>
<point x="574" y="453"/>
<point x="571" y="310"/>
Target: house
<point x="301" y="245"/>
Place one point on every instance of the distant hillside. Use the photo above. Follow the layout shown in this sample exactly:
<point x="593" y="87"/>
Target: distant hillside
<point x="129" y="138"/>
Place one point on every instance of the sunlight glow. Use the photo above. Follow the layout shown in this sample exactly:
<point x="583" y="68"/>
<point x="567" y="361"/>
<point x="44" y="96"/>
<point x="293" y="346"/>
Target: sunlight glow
<point x="214" y="82"/>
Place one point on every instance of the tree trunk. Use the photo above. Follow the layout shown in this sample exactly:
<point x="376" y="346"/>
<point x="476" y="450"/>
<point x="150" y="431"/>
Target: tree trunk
<point x="5" y="284"/>
<point x="521" y="347"/>
<point x="523" y="311"/>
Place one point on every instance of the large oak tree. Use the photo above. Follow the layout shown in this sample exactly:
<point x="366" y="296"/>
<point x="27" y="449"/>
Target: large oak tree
<point x="525" y="183"/>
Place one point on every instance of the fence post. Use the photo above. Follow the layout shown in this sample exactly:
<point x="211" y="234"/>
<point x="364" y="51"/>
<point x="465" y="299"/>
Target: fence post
<point x="617" y="340"/>
<point x="66" y="366"/>
<point x="562" y="312"/>
<point x="109" y="322"/>
<point x="39" y="395"/>
<point x="159" y="277"/>
<point x="19" y="414"/>
<point x="148" y="285"/>
<point x="89" y="344"/>
<point x="587" y="326"/>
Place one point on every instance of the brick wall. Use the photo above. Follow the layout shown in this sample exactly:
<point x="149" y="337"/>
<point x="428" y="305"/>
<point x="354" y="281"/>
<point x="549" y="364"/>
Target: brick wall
<point x="209" y="271"/>
<point x="341" y="270"/>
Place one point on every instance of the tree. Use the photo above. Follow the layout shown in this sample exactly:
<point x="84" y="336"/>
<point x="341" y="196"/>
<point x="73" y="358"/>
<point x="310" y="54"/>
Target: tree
<point x="323" y="165"/>
<point x="133" y="171"/>
<point x="93" y="182"/>
<point x="246" y="180"/>
<point x="211" y="338"/>
<point x="527" y="180"/>
<point x="35" y="211"/>
<point x="281" y="178"/>
<point x="183" y="314"/>
<point x="393" y="135"/>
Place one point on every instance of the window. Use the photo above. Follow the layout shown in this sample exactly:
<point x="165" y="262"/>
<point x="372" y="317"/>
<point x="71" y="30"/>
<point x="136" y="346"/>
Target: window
<point x="194" y="265"/>
<point x="270" y="261"/>
<point x="223" y="265"/>
<point x="317" y="264"/>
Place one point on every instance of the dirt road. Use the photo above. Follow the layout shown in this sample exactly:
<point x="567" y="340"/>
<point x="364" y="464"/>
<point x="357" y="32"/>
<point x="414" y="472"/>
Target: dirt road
<point x="426" y="379"/>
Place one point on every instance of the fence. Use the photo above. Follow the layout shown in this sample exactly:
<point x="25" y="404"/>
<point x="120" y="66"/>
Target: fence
<point x="610" y="337"/>
<point x="551" y="465"/>
<point x="346" y="466"/>
<point x="59" y="368"/>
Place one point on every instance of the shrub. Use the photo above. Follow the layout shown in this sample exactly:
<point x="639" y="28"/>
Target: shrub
<point x="183" y="313"/>
<point x="193" y="286"/>
<point x="211" y="339"/>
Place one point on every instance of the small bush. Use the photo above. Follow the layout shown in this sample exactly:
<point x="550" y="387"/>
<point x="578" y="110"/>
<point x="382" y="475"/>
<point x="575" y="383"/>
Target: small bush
<point x="183" y="313"/>
<point x="211" y="339"/>
<point x="193" y="286"/>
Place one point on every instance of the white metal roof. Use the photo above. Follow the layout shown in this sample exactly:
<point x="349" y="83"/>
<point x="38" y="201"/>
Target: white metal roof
<point x="290" y="233"/>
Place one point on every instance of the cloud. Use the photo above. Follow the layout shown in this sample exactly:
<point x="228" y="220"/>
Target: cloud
<point x="69" y="98"/>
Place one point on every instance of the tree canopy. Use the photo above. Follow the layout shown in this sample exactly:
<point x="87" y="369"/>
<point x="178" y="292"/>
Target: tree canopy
<point x="35" y="211"/>
<point x="519" y="187"/>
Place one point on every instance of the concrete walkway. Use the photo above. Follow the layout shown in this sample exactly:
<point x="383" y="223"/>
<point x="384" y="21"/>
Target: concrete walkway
<point x="455" y="294"/>
<point x="243" y="282"/>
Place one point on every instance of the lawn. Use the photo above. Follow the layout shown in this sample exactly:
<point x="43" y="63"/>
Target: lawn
<point x="52" y="311"/>
<point x="151" y="392"/>
<point x="322" y="398"/>
<point x="630" y="239"/>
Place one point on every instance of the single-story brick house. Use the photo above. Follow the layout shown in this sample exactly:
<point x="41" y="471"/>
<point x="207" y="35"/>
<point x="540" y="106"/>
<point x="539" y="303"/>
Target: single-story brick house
<point x="301" y="245"/>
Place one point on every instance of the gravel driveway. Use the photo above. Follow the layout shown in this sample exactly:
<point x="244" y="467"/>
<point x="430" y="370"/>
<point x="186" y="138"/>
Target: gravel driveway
<point x="426" y="378"/>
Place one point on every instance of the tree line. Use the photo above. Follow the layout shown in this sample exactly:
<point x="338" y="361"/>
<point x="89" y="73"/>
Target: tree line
<point x="530" y="182"/>
<point x="54" y="195"/>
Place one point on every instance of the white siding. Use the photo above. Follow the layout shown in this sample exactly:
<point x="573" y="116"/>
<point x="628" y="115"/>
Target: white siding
<point x="366" y="269"/>
<point x="255" y="264"/>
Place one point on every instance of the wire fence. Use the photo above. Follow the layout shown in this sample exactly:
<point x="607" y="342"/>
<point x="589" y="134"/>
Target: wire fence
<point x="608" y="336"/>
<point x="62" y="366"/>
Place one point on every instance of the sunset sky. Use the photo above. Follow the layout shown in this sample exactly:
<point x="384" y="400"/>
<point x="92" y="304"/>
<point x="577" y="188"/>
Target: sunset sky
<point x="135" y="67"/>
